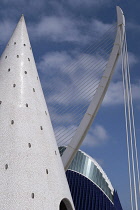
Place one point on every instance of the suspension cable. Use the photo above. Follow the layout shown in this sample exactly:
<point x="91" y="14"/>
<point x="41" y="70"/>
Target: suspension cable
<point x="76" y="97"/>
<point x="126" y="124"/>
<point x="133" y="120"/>
<point x="130" y="129"/>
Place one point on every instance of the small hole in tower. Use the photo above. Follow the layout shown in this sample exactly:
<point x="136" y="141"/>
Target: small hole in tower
<point x="5" y="56"/>
<point x="17" y="56"/>
<point x="37" y="78"/>
<point x="24" y="44"/>
<point x="6" y="166"/>
<point x="25" y="72"/>
<point x="12" y="122"/>
<point x="8" y="69"/>
<point x="14" y="85"/>
<point x="41" y="127"/>
<point x="29" y="145"/>
<point x="33" y="90"/>
<point x="30" y="48"/>
<point x="47" y="171"/>
<point x="28" y="59"/>
<point x="14" y="43"/>
<point x="45" y="112"/>
<point x="26" y="105"/>
<point x="33" y="195"/>
<point x="55" y="153"/>
<point x="0" y="102"/>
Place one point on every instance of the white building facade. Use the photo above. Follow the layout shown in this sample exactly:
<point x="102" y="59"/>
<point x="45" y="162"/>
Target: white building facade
<point x="32" y="175"/>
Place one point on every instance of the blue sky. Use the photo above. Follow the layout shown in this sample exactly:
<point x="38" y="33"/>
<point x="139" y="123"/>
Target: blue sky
<point x="59" y="31"/>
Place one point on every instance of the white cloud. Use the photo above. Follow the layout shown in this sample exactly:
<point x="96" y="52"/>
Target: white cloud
<point x="64" y="89"/>
<point x="99" y="27"/>
<point x="64" y="118"/>
<point x="136" y="91"/>
<point x="61" y="119"/>
<point x="75" y="83"/>
<point x="56" y="28"/>
<point x="96" y="137"/>
<point x="6" y="29"/>
<point x="114" y="94"/>
<point x="54" y="60"/>
<point x="67" y="96"/>
<point x="66" y="28"/>
<point x="132" y="59"/>
<point x="69" y="92"/>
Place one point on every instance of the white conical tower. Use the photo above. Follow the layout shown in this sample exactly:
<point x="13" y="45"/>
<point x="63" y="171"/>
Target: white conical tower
<point x="32" y="176"/>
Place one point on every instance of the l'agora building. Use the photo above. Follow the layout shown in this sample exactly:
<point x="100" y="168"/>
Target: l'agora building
<point x="90" y="187"/>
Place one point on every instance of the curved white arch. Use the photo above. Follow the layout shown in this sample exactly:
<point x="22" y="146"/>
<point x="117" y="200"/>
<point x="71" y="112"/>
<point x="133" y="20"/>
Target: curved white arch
<point x="91" y="112"/>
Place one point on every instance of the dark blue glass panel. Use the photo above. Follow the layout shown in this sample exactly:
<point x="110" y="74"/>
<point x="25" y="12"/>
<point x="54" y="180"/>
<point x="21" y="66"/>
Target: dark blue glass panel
<point x="87" y="196"/>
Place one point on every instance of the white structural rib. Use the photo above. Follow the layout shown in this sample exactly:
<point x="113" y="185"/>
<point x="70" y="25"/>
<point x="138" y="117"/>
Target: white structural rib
<point x="91" y="112"/>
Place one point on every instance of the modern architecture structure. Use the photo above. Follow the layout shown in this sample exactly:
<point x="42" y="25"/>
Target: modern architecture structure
<point x="31" y="171"/>
<point x="90" y="114"/>
<point x="32" y="174"/>
<point x="90" y="187"/>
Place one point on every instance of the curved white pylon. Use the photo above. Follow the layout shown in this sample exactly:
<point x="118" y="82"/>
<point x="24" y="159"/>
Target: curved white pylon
<point x="32" y="175"/>
<point x="91" y="112"/>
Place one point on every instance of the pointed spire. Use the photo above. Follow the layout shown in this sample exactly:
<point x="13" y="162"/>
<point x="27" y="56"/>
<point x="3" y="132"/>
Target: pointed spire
<point x="31" y="171"/>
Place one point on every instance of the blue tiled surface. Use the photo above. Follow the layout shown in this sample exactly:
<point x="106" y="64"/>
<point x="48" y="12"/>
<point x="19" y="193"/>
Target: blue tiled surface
<point x="87" y="196"/>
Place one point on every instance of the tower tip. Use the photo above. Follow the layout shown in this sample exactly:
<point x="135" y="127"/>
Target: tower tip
<point x="22" y="17"/>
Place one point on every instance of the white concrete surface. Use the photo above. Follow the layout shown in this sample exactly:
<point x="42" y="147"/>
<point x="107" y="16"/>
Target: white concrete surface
<point x="32" y="175"/>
